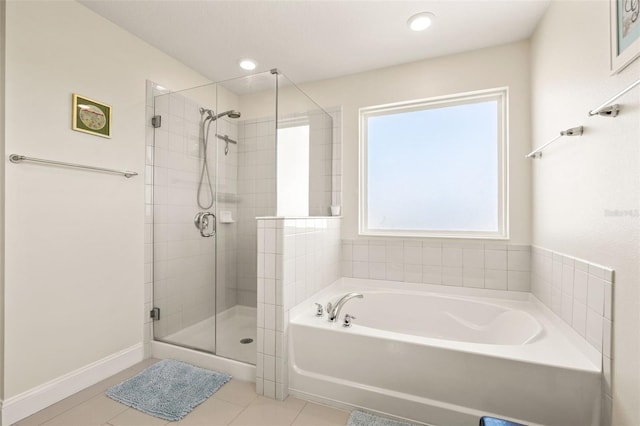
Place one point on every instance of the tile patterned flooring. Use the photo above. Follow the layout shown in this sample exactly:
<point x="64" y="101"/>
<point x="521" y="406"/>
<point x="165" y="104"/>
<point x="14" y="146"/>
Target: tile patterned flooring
<point x="236" y="403"/>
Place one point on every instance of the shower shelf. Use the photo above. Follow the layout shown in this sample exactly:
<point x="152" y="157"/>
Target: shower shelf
<point x="225" y="217"/>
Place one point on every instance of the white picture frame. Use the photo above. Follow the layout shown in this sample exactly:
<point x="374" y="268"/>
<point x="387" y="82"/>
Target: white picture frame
<point x="624" y="17"/>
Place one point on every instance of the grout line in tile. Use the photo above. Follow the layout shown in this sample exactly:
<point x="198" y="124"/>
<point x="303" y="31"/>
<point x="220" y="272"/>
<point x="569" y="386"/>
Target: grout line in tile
<point x="238" y="415"/>
<point x="51" y="417"/>
<point x="299" y="412"/>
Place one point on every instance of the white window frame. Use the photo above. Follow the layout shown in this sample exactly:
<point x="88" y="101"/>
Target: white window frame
<point x="499" y="94"/>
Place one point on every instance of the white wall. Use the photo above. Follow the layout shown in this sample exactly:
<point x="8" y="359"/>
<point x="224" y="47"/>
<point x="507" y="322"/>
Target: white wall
<point x="579" y="178"/>
<point x="506" y="65"/>
<point x="74" y="241"/>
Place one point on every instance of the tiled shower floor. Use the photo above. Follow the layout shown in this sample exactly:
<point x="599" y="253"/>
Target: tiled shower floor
<point x="236" y="403"/>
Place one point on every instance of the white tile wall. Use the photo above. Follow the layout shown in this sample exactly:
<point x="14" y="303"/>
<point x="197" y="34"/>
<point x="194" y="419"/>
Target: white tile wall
<point x="575" y="290"/>
<point x="580" y="293"/>
<point x="336" y="184"/>
<point x="492" y="266"/>
<point x="256" y="197"/>
<point x="305" y="254"/>
<point x="187" y="272"/>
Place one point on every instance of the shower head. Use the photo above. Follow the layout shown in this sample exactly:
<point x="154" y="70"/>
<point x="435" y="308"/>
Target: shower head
<point x="232" y="113"/>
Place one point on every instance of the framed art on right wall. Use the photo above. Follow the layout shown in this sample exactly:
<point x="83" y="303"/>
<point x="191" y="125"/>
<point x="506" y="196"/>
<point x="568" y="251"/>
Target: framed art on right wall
<point x="625" y="33"/>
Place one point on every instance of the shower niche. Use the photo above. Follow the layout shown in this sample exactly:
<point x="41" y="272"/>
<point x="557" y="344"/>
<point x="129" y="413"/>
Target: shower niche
<point x="224" y="154"/>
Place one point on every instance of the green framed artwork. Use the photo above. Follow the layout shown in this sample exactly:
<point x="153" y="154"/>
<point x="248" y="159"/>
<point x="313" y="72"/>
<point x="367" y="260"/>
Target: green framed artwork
<point x="90" y="116"/>
<point x="625" y="33"/>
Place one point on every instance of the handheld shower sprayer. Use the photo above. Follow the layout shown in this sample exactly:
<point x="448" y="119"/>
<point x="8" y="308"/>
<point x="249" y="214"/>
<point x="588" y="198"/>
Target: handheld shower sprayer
<point x="205" y="124"/>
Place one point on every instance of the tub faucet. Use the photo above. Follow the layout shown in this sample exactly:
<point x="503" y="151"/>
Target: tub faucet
<point x="334" y="310"/>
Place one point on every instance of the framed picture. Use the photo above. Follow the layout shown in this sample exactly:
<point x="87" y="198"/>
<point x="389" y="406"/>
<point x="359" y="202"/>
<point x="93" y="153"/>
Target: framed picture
<point x="91" y="116"/>
<point x="625" y="33"/>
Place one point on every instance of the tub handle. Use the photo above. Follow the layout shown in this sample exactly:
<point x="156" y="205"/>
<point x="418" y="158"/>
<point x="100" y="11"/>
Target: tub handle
<point x="348" y="320"/>
<point x="319" y="310"/>
<point x="329" y="307"/>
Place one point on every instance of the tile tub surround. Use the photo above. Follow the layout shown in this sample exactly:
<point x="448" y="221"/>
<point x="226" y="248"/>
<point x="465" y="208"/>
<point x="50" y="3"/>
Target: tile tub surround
<point x="577" y="291"/>
<point x="296" y="259"/>
<point x="580" y="293"/>
<point x="491" y="265"/>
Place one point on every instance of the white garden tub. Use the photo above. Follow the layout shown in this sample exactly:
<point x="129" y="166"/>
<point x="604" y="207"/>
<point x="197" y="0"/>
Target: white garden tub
<point x="445" y="356"/>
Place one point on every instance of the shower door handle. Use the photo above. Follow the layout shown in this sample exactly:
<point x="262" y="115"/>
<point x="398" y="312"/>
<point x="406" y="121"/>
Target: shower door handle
<point x="202" y="223"/>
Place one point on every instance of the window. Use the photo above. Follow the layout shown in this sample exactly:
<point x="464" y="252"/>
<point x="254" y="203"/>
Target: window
<point x="293" y="168"/>
<point x="435" y="167"/>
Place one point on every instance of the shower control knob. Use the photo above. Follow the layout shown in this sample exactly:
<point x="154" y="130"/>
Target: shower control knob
<point x="202" y="223"/>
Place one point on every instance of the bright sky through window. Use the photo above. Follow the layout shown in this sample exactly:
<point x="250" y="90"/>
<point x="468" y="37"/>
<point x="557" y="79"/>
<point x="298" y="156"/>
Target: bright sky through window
<point x="434" y="168"/>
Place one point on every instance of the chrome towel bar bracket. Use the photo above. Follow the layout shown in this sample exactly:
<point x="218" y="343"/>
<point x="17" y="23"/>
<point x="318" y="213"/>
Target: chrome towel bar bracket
<point x="574" y="131"/>
<point x="606" y="109"/>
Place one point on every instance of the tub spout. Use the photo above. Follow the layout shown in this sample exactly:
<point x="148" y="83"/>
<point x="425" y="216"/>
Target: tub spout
<point x="334" y="310"/>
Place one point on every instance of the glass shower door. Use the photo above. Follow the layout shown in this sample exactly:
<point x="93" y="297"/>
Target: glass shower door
<point x="214" y="172"/>
<point x="184" y="220"/>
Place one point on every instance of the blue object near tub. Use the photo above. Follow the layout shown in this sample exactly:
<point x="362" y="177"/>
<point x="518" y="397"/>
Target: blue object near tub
<point x="168" y="389"/>
<point x="492" y="421"/>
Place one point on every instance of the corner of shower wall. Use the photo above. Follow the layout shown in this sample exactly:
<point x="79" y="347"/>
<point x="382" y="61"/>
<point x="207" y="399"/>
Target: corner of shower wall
<point x="296" y="259"/>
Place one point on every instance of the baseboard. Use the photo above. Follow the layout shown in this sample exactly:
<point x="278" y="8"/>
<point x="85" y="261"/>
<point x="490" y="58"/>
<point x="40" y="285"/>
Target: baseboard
<point x="35" y="399"/>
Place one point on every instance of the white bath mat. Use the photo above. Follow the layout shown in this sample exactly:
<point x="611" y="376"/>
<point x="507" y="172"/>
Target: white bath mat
<point x="360" y="418"/>
<point x="168" y="389"/>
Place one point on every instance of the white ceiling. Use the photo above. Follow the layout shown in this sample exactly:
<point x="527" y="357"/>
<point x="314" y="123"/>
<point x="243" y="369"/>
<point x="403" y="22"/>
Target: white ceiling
<point x="312" y="40"/>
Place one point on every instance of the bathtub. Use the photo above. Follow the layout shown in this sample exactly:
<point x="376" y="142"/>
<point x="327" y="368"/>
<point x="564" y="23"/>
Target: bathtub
<point x="443" y="356"/>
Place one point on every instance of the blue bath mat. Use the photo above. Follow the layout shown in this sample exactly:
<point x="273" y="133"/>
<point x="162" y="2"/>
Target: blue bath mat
<point x="360" y="418"/>
<point x="168" y="389"/>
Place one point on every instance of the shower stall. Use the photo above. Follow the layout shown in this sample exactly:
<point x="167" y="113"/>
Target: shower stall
<point x="223" y="154"/>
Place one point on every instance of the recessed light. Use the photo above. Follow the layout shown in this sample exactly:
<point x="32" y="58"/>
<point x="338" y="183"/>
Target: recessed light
<point x="420" y="21"/>
<point x="247" y="64"/>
